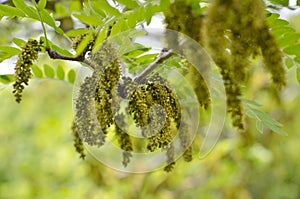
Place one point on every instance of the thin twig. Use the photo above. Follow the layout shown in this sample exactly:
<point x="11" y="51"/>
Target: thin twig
<point x="164" y="55"/>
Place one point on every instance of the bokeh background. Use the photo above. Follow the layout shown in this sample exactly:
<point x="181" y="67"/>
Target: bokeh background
<point x="38" y="159"/>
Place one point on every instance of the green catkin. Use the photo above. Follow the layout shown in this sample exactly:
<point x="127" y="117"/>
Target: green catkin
<point x="105" y="92"/>
<point x="184" y="138"/>
<point x="170" y="153"/>
<point x="78" y="144"/>
<point x="143" y="104"/>
<point x="86" y="126"/>
<point x="234" y="31"/>
<point x="244" y="23"/>
<point x="96" y="93"/>
<point x="189" y="23"/>
<point x="123" y="139"/>
<point x="28" y="55"/>
<point x="217" y="42"/>
<point x="272" y="56"/>
<point x="76" y="41"/>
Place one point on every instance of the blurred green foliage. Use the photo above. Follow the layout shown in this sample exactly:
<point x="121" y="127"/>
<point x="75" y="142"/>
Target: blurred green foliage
<point x="39" y="160"/>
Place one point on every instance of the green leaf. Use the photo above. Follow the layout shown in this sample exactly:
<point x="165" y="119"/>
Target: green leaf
<point x="6" y="79"/>
<point x="60" y="72"/>
<point x="251" y="114"/>
<point x="10" y="11"/>
<point x="280" y="2"/>
<point x="140" y="13"/>
<point x="71" y="76"/>
<point x="19" y="42"/>
<point x="289" y="62"/>
<point x="130" y="4"/>
<point x="292" y="50"/>
<point x="7" y="52"/>
<point x="131" y="19"/>
<point x="260" y="126"/>
<point x="57" y="48"/>
<point x="251" y="102"/>
<point x="298" y="74"/>
<point x="298" y="2"/>
<point x="49" y="72"/>
<point x="42" y="4"/>
<point x="76" y="32"/>
<point x="265" y="117"/>
<point x="288" y="39"/>
<point x="119" y="27"/>
<point x="89" y="20"/>
<point x="28" y="10"/>
<point x="83" y="44"/>
<point x="100" y="38"/>
<point x="148" y="58"/>
<point x="297" y="59"/>
<point x="48" y="19"/>
<point x="107" y="8"/>
<point x="136" y="33"/>
<point x="277" y="32"/>
<point x="150" y="10"/>
<point x="37" y="72"/>
<point x="275" y="129"/>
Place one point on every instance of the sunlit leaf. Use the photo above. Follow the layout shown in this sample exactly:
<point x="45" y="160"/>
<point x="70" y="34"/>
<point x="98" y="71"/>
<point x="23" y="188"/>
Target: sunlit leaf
<point x="298" y="74"/>
<point x="288" y="39"/>
<point x="37" y="72"/>
<point x="48" y="19"/>
<point x="83" y="44"/>
<point x="132" y="19"/>
<point x="119" y="27"/>
<point x="76" y="32"/>
<point x="10" y="11"/>
<point x="100" y="38"/>
<point x="42" y="4"/>
<point x="7" y="52"/>
<point x="292" y="50"/>
<point x="89" y="20"/>
<point x="57" y="48"/>
<point x="49" y="72"/>
<point x="297" y="59"/>
<point x="60" y="72"/>
<point x="6" y="79"/>
<point x="71" y="76"/>
<point x="19" y="42"/>
<point x="107" y="8"/>
<point x="130" y="4"/>
<point x="28" y="10"/>
<point x="280" y="2"/>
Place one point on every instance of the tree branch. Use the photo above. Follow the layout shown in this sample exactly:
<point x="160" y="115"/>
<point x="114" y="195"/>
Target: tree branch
<point x="164" y="55"/>
<point x="56" y="55"/>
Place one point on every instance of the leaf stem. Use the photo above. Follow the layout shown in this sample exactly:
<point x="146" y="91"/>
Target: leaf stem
<point x="42" y="23"/>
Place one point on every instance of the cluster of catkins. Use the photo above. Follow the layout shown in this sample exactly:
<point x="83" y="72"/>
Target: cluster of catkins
<point x="235" y="31"/>
<point x="232" y="31"/>
<point x="28" y="55"/>
<point x="153" y="106"/>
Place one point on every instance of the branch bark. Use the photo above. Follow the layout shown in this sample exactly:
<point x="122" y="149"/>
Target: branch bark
<point x="164" y="55"/>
